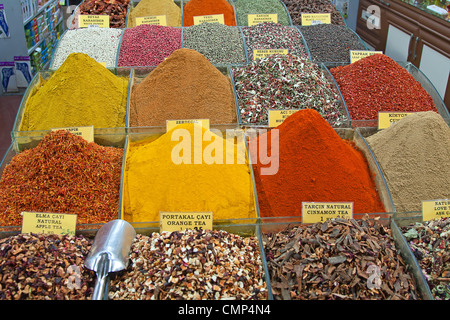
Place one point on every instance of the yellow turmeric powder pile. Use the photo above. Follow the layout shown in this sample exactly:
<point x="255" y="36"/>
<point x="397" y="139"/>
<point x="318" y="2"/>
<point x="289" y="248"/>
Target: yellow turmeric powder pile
<point x="81" y="92"/>
<point x="188" y="169"/>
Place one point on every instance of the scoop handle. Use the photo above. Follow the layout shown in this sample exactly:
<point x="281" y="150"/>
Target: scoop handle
<point x="100" y="292"/>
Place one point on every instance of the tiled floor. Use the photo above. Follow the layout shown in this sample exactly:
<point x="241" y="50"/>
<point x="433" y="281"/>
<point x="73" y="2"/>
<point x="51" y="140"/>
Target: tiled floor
<point x="8" y="110"/>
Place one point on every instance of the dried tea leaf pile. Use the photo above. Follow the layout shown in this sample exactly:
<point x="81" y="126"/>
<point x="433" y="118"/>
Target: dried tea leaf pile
<point x="285" y="82"/>
<point x="45" y="267"/>
<point x="63" y="174"/>
<point x="335" y="260"/>
<point x="192" y="265"/>
<point x="430" y="244"/>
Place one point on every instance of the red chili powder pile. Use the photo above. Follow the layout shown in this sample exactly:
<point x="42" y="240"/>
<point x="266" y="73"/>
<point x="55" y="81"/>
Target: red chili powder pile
<point x="378" y="83"/>
<point x="315" y="165"/>
<point x="208" y="7"/>
<point x="63" y="174"/>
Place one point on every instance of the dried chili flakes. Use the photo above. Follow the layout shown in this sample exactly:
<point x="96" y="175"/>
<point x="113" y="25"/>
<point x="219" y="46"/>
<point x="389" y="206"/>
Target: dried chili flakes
<point x="63" y="174"/>
<point x="378" y="83"/>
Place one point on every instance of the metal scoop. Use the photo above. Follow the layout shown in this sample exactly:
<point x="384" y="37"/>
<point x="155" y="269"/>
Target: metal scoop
<point x="109" y="253"/>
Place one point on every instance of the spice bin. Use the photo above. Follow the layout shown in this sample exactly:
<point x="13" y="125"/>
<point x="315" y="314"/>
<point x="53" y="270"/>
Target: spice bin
<point x="148" y="135"/>
<point x="133" y="4"/>
<point x="73" y="20"/>
<point x="183" y="14"/>
<point x="28" y="139"/>
<point x="428" y="242"/>
<point x="140" y="73"/>
<point x="418" y="76"/>
<point x="325" y="247"/>
<point x="281" y="6"/>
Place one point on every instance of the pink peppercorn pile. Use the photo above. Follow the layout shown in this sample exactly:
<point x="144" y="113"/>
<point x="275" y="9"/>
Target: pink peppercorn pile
<point x="148" y="45"/>
<point x="378" y="83"/>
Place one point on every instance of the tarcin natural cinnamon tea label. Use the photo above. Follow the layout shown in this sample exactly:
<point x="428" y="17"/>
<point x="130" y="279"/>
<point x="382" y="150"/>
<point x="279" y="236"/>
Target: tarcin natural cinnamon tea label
<point x="313" y="212"/>
<point x="178" y="221"/>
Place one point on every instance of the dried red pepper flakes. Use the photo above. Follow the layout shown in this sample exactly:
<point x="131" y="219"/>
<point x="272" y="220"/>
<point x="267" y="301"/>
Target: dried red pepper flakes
<point x="63" y="174"/>
<point x="378" y="83"/>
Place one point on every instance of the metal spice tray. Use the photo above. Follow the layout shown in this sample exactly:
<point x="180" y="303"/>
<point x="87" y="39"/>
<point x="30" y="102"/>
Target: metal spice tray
<point x="150" y="134"/>
<point x="418" y="76"/>
<point x="137" y="74"/>
<point x="28" y="139"/>
<point x="274" y="225"/>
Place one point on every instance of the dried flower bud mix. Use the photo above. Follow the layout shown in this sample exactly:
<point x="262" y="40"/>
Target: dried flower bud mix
<point x="330" y="43"/>
<point x="297" y="7"/>
<point x="192" y="265"/>
<point x="45" y="267"/>
<point x="285" y="82"/>
<point x="315" y="165"/>
<point x="378" y="83"/>
<point x="337" y="260"/>
<point x="269" y="35"/>
<point x="430" y="244"/>
<point x="220" y="44"/>
<point x="63" y="174"/>
<point x="148" y="45"/>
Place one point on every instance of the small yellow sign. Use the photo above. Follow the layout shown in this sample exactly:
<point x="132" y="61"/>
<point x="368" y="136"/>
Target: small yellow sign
<point x="49" y="223"/>
<point x="85" y="132"/>
<point x="311" y="19"/>
<point x="435" y="209"/>
<point x="262" y="53"/>
<point x="276" y="117"/>
<point x="356" y="55"/>
<point x="313" y="212"/>
<point x="254" y="19"/>
<point x="86" y="21"/>
<point x="170" y="124"/>
<point x="386" y="118"/>
<point x="177" y="221"/>
<point x="209" y="19"/>
<point x="157" y="20"/>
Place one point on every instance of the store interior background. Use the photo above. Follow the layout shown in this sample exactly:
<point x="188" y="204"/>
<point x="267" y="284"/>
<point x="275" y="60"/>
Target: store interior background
<point x="10" y="102"/>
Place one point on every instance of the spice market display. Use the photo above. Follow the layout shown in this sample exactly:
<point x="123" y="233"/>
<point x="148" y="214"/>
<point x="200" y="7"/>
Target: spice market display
<point x="158" y="60"/>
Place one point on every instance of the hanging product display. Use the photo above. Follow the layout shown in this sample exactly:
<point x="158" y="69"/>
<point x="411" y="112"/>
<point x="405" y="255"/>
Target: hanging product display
<point x="81" y="92"/>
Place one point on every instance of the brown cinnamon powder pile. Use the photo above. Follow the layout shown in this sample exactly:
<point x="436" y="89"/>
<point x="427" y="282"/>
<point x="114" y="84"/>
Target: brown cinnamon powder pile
<point x="184" y="86"/>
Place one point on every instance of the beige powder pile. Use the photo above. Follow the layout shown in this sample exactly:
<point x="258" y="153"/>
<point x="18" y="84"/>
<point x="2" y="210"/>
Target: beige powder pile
<point x="147" y="8"/>
<point x="414" y="155"/>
